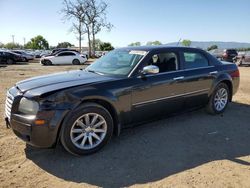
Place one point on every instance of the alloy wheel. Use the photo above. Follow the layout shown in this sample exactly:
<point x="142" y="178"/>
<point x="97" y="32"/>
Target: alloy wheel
<point x="221" y="99"/>
<point x="88" y="131"/>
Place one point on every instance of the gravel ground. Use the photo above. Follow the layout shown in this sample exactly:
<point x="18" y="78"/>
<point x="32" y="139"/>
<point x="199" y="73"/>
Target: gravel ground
<point x="189" y="150"/>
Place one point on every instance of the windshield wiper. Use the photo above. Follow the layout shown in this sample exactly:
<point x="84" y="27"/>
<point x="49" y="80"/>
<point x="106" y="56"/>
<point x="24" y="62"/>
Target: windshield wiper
<point x="94" y="72"/>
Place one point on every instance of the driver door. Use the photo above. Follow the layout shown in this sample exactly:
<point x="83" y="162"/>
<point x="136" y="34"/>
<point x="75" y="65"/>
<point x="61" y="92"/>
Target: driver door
<point x="159" y="94"/>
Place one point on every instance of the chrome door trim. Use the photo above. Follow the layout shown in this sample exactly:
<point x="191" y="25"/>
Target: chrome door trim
<point x="169" y="97"/>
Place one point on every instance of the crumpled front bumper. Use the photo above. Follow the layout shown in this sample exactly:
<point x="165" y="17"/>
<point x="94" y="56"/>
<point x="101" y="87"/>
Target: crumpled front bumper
<point x="42" y="136"/>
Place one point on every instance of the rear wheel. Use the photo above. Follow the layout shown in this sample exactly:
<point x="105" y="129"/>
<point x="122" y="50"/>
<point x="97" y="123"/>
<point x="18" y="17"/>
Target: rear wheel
<point x="87" y="129"/>
<point x="219" y="99"/>
<point x="76" y="62"/>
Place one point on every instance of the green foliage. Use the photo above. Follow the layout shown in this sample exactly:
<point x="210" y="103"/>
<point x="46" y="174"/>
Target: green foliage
<point x="135" y="44"/>
<point x="12" y="45"/>
<point x="1" y="45"/>
<point x="243" y="49"/>
<point x="213" y="47"/>
<point x="154" y="43"/>
<point x="64" y="45"/>
<point x="186" y="42"/>
<point x="106" y="46"/>
<point x="98" y="43"/>
<point x="37" y="43"/>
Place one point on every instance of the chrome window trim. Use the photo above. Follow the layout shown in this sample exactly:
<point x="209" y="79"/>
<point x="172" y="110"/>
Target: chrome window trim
<point x="135" y="67"/>
<point x="169" y="97"/>
<point x="178" y="71"/>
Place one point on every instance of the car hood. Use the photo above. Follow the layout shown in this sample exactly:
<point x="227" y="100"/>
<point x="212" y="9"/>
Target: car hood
<point x="52" y="82"/>
<point x="48" y="57"/>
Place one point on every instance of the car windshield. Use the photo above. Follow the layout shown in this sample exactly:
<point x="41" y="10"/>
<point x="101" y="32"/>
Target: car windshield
<point x="117" y="62"/>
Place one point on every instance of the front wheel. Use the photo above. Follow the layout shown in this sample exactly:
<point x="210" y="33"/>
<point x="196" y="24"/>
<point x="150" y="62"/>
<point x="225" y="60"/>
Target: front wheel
<point x="219" y="99"/>
<point x="87" y="129"/>
<point x="10" y="61"/>
<point x="76" y="62"/>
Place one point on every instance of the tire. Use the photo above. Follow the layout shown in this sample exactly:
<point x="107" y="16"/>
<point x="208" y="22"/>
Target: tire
<point x="47" y="63"/>
<point x="75" y="134"/>
<point x="10" y="61"/>
<point x="76" y="62"/>
<point x="219" y="99"/>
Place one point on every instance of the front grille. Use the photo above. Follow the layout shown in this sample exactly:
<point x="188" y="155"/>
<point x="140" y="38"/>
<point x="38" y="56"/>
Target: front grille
<point x="8" y="104"/>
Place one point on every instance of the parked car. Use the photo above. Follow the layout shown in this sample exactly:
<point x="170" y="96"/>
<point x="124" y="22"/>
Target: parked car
<point x="58" y="50"/>
<point x="84" y="108"/>
<point x="229" y="55"/>
<point x="224" y="55"/>
<point x="65" y="57"/>
<point x="10" y="57"/>
<point x="242" y="59"/>
<point x="217" y="53"/>
<point x="25" y="55"/>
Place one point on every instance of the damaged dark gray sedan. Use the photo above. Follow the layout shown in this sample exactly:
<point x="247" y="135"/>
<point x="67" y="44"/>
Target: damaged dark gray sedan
<point x="84" y="108"/>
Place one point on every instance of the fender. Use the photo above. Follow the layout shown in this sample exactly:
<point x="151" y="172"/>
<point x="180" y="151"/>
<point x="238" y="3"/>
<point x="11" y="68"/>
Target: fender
<point x="104" y="98"/>
<point x="220" y="78"/>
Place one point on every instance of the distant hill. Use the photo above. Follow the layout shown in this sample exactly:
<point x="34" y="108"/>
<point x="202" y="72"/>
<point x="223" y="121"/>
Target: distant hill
<point x="222" y="45"/>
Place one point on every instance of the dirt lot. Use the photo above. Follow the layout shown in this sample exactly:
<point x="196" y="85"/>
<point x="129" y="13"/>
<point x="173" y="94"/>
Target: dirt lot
<point x="189" y="150"/>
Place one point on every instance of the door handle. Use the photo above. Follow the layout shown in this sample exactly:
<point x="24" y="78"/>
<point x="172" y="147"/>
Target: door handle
<point x="179" y="78"/>
<point x="213" y="73"/>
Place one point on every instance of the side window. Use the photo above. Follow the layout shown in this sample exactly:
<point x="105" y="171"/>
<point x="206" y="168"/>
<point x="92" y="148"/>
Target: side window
<point x="195" y="60"/>
<point x="70" y="53"/>
<point x="62" y="54"/>
<point x="166" y="62"/>
<point x="66" y="54"/>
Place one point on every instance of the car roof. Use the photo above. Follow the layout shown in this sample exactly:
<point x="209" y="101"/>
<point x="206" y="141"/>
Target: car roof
<point x="151" y="48"/>
<point x="67" y="51"/>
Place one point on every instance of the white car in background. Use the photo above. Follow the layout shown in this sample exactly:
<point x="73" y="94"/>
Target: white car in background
<point x="63" y="58"/>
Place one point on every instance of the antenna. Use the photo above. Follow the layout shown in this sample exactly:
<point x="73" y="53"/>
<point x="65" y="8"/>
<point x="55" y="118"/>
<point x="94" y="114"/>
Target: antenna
<point x="178" y="42"/>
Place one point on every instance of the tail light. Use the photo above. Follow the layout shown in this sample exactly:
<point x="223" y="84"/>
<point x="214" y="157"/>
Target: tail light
<point x="235" y="74"/>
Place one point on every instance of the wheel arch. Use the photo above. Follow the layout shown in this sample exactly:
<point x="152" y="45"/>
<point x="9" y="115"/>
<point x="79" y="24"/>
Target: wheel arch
<point x="110" y="108"/>
<point x="99" y="101"/>
<point x="224" y="78"/>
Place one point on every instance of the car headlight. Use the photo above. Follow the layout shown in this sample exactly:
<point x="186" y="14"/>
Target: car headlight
<point x="28" y="106"/>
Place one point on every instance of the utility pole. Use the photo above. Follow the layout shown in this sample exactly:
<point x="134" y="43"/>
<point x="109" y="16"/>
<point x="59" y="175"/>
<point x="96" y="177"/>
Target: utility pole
<point x="13" y="39"/>
<point x="24" y="41"/>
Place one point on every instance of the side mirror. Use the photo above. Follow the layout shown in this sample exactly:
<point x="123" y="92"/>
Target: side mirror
<point x="150" y="69"/>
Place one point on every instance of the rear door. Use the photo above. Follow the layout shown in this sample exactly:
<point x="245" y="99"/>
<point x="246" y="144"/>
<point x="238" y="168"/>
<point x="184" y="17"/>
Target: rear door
<point x="199" y="75"/>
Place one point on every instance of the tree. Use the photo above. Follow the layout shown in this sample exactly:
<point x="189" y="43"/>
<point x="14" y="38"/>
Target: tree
<point x="64" y="45"/>
<point x="135" y="44"/>
<point x="154" y="43"/>
<point x="37" y="43"/>
<point x="12" y="45"/>
<point x="1" y="45"/>
<point x="212" y="47"/>
<point x="75" y="11"/>
<point x="106" y="46"/>
<point x="98" y="43"/>
<point x="186" y="42"/>
<point x="97" y="20"/>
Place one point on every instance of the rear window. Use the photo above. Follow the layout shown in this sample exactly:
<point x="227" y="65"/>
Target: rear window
<point x="195" y="60"/>
<point x="232" y="51"/>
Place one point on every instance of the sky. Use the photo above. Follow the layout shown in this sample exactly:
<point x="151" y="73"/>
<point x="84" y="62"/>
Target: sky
<point x="133" y="20"/>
